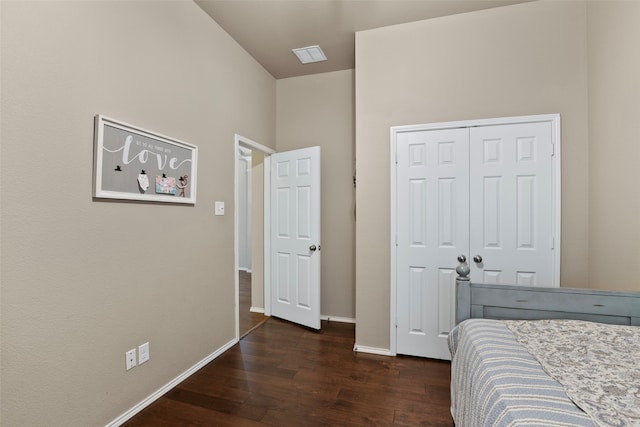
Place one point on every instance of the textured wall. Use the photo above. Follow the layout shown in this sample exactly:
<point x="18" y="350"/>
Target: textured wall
<point x="318" y="110"/>
<point x="257" y="228"/>
<point x="509" y="61"/>
<point x="614" y="144"/>
<point x="83" y="281"/>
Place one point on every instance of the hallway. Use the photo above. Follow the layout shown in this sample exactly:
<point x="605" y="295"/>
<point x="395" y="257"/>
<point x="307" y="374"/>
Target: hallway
<point x="248" y="320"/>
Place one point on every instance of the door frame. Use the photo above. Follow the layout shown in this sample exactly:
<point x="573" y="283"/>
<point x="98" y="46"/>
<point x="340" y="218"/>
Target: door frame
<point x="240" y="141"/>
<point x="554" y="119"/>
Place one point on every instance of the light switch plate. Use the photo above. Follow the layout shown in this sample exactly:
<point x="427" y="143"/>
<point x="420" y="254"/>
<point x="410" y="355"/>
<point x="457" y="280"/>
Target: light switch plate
<point x="219" y="206"/>
<point x="143" y="353"/>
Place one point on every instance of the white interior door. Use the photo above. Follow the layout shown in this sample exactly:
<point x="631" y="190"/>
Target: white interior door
<point x="511" y="238"/>
<point x="295" y="236"/>
<point x="433" y="229"/>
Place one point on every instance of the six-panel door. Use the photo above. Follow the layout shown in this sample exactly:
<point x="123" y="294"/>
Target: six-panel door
<point x="433" y="228"/>
<point x="511" y="207"/>
<point x="295" y="236"/>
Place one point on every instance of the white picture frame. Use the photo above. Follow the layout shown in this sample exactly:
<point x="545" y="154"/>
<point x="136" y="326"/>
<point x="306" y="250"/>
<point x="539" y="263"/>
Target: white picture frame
<point x="125" y="154"/>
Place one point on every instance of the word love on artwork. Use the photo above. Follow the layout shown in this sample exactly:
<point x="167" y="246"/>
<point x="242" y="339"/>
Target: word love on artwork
<point x="160" y="154"/>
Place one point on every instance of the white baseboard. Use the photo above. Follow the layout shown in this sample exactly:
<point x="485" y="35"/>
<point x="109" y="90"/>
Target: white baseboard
<point x="322" y="316"/>
<point x="171" y="384"/>
<point x="337" y="319"/>
<point x="372" y="350"/>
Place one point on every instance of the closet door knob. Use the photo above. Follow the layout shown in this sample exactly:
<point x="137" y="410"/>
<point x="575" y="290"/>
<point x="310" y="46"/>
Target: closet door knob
<point x="477" y="259"/>
<point x="312" y="248"/>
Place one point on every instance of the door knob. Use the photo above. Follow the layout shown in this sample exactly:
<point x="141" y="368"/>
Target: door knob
<point x="477" y="259"/>
<point x="312" y="248"/>
<point x="462" y="258"/>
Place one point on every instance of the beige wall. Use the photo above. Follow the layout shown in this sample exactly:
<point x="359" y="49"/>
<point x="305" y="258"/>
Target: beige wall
<point x="257" y="229"/>
<point x="318" y="110"/>
<point x="510" y="61"/>
<point x="614" y="144"/>
<point x="84" y="281"/>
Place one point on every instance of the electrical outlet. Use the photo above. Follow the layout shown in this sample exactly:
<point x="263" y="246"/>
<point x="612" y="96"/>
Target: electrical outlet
<point x="143" y="353"/>
<point x="131" y="358"/>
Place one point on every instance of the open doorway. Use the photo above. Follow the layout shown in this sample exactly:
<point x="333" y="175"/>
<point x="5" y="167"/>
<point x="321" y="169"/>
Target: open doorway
<point x="294" y="184"/>
<point x="250" y="158"/>
<point x="250" y="306"/>
<point x="251" y="313"/>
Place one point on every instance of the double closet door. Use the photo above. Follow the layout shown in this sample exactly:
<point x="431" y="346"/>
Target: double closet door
<point x="485" y="192"/>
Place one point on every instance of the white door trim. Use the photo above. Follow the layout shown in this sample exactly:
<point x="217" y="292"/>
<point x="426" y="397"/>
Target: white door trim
<point x="556" y="177"/>
<point x="240" y="141"/>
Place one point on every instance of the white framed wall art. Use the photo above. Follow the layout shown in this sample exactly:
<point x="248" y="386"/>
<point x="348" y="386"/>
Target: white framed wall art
<point x="131" y="163"/>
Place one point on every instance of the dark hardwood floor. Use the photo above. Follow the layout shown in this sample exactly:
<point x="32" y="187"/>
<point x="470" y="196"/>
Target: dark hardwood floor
<point x="282" y="374"/>
<point x="248" y="320"/>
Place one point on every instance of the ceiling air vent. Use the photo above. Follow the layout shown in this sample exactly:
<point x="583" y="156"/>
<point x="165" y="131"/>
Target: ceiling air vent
<point x="310" y="54"/>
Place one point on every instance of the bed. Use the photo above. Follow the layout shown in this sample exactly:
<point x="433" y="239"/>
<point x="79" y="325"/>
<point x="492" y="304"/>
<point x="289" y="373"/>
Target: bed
<point x="512" y="366"/>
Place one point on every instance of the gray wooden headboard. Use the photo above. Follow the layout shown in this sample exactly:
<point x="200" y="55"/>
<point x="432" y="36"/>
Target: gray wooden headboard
<point x="475" y="300"/>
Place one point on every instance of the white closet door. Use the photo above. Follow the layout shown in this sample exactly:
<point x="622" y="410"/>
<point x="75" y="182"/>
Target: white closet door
<point x="511" y="208"/>
<point x="433" y="229"/>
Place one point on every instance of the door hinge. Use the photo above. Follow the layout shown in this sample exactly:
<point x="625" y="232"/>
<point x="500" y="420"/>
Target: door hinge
<point x="553" y="242"/>
<point x="553" y="149"/>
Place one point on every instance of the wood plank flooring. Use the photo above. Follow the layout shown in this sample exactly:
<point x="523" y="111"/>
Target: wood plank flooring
<point x="248" y="320"/>
<point x="282" y="374"/>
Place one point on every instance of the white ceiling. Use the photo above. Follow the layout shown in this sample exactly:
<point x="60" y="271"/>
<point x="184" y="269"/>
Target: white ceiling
<point x="269" y="29"/>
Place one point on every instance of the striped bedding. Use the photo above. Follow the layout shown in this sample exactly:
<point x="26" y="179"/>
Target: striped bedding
<point x="495" y="382"/>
